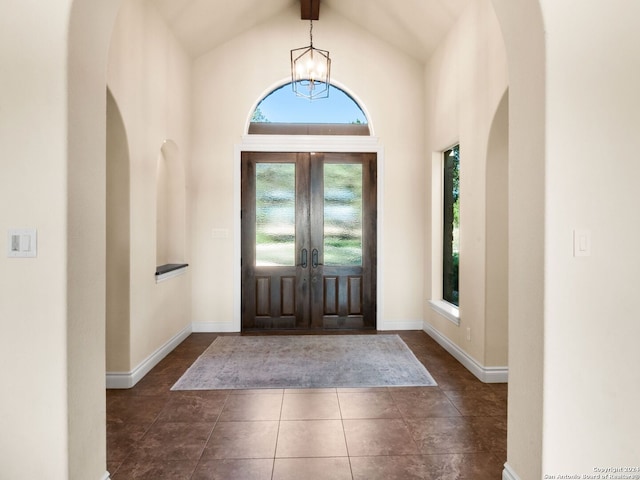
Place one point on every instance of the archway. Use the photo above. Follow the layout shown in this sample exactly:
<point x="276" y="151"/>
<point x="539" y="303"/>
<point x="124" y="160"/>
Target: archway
<point x="59" y="84"/>
<point x="522" y="29"/>
<point x="118" y="241"/>
<point x="89" y="33"/>
<point x="89" y="36"/>
<point x="497" y="232"/>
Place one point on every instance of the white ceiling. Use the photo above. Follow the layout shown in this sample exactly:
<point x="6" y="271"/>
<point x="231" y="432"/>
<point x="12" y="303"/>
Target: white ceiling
<point x="414" y="26"/>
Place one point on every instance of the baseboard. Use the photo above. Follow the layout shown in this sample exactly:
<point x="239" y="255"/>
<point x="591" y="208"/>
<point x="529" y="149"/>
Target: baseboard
<point x="231" y="327"/>
<point x="106" y="476"/>
<point x="484" y="374"/>
<point x="399" y="325"/>
<point x="508" y="473"/>
<point x="121" y="380"/>
<point x="214" y="327"/>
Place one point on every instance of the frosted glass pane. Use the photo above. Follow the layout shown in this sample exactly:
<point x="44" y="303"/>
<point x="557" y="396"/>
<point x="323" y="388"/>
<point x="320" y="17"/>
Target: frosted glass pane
<point x="275" y="214"/>
<point x="343" y="214"/>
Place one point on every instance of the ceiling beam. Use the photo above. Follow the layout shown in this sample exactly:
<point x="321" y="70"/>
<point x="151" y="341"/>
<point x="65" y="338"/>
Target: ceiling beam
<point x="310" y="9"/>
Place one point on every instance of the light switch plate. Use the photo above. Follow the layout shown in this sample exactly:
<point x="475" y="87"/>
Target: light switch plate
<point x="22" y="243"/>
<point x="582" y="243"/>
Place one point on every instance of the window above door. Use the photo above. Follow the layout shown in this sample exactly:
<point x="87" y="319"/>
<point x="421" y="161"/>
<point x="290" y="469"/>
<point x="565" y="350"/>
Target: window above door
<point x="281" y="112"/>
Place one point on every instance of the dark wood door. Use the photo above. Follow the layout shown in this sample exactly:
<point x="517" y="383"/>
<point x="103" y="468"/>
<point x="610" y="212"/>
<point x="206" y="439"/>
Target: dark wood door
<point x="308" y="240"/>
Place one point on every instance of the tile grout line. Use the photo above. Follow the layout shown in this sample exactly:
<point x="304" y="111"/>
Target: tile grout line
<point x="455" y="387"/>
<point x="275" y="450"/>
<point x="344" y="434"/>
<point x="215" y="424"/>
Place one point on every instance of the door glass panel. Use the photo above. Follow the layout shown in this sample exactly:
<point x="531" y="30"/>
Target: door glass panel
<point x="342" y="214"/>
<point x="275" y="214"/>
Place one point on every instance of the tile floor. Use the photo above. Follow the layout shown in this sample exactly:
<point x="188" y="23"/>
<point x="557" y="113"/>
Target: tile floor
<point x="457" y="430"/>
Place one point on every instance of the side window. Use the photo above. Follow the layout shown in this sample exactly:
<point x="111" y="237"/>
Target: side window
<point x="451" y="225"/>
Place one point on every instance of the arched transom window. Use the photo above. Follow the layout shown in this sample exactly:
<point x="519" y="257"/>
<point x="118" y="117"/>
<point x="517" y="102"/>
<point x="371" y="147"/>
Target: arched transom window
<point x="281" y="112"/>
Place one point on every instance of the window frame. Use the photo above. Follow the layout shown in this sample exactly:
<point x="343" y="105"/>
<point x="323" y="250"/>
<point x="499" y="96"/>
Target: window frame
<point x="437" y="302"/>
<point x="450" y="196"/>
<point x="309" y="128"/>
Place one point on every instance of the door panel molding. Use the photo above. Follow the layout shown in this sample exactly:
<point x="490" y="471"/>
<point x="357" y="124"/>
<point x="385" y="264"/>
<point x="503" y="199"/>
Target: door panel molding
<point x="354" y="289"/>
<point x="309" y="144"/>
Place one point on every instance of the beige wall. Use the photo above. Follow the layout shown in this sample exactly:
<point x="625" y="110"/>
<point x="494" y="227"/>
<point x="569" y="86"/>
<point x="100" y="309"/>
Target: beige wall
<point x="229" y="81"/>
<point x="573" y="320"/>
<point x="497" y="232"/>
<point x="592" y="327"/>
<point x="89" y="26"/>
<point x="149" y="77"/>
<point x="33" y="306"/>
<point x="118" y="264"/>
<point x="52" y="126"/>
<point x="522" y="27"/>
<point x="465" y="80"/>
<point x="170" y="206"/>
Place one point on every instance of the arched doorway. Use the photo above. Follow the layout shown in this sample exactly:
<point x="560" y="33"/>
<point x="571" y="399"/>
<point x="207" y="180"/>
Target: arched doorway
<point x="65" y="366"/>
<point x="89" y="37"/>
<point x="89" y="34"/>
<point x="523" y="32"/>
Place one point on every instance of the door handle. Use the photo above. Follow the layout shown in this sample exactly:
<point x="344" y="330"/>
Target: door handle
<point x="303" y="258"/>
<point x="314" y="258"/>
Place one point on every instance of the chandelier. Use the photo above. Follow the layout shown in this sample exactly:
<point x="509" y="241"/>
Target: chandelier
<point x="310" y="70"/>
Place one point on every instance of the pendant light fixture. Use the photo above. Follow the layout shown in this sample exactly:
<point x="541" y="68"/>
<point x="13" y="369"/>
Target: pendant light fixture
<point x="310" y="70"/>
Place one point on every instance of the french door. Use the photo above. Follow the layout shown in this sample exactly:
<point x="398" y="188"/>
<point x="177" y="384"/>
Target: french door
<point x="308" y="240"/>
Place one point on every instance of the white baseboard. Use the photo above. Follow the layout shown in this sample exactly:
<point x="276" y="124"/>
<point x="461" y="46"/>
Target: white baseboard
<point x="214" y="327"/>
<point x="123" y="380"/>
<point x="387" y="325"/>
<point x="106" y="476"/>
<point x="508" y="473"/>
<point x="484" y="374"/>
<point x="120" y="380"/>
<point x="231" y="327"/>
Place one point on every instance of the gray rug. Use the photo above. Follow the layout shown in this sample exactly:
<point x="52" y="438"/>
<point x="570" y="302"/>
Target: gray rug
<point x="305" y="361"/>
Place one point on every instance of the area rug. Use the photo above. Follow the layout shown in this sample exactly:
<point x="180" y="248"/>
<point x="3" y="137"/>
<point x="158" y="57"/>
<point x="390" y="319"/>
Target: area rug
<point x="305" y="361"/>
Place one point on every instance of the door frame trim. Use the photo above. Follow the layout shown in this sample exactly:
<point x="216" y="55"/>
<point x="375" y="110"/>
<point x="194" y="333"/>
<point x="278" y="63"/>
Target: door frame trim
<point x="306" y="143"/>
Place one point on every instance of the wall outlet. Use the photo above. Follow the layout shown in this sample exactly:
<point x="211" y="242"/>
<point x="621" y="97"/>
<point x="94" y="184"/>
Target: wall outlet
<point x="468" y="334"/>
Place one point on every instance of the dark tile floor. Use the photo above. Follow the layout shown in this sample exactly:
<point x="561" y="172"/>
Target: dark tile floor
<point x="457" y="430"/>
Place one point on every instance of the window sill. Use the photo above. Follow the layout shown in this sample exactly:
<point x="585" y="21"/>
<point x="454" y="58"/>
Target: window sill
<point x="447" y="310"/>
<point x="170" y="270"/>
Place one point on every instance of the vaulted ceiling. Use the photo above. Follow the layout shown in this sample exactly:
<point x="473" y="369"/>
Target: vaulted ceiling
<point x="414" y="26"/>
